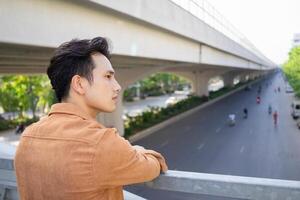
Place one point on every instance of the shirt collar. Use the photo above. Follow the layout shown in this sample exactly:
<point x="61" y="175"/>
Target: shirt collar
<point x="68" y="108"/>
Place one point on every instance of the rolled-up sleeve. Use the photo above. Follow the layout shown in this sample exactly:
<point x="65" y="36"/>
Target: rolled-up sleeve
<point x="117" y="162"/>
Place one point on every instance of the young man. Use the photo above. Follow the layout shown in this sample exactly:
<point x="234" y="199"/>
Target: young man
<point x="68" y="155"/>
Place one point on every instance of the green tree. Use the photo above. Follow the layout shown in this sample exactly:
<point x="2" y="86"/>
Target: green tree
<point x="162" y="83"/>
<point x="8" y="95"/>
<point x="292" y="69"/>
<point x="22" y="93"/>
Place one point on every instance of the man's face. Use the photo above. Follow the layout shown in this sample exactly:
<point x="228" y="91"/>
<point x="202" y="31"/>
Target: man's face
<point x="102" y="94"/>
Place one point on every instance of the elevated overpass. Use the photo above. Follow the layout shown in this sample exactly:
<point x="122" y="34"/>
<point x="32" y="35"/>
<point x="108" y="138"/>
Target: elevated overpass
<point x="147" y="36"/>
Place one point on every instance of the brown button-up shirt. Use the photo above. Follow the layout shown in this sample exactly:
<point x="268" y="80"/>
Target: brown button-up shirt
<point x="68" y="156"/>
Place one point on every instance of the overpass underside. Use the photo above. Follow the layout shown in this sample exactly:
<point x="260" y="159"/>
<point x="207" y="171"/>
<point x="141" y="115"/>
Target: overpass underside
<point x="144" y="40"/>
<point x="25" y="59"/>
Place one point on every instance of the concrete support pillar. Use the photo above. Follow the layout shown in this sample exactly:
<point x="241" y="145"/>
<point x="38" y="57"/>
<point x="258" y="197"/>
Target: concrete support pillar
<point x="228" y="79"/>
<point x="138" y="91"/>
<point x="251" y="76"/>
<point x="244" y="77"/>
<point x="200" y="80"/>
<point x="254" y="75"/>
<point x="259" y="74"/>
<point x="200" y="85"/>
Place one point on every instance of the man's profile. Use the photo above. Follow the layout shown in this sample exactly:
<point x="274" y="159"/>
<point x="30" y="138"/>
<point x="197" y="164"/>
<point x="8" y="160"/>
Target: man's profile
<point x="68" y="155"/>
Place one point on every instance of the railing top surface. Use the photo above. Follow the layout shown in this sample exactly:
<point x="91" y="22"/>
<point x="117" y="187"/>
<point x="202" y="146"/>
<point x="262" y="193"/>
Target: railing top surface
<point x="231" y="179"/>
<point x="7" y="150"/>
<point x="7" y="153"/>
<point x="227" y="186"/>
<point x="7" y="163"/>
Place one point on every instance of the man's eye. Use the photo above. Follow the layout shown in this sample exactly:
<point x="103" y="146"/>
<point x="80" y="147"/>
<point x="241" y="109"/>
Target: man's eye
<point x="108" y="76"/>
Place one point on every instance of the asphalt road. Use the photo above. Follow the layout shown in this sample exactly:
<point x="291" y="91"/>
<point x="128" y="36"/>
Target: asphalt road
<point x="203" y="142"/>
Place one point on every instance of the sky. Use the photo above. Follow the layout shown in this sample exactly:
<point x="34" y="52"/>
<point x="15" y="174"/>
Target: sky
<point x="268" y="24"/>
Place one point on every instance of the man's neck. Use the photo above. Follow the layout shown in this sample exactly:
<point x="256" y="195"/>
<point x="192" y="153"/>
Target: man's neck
<point x="82" y="106"/>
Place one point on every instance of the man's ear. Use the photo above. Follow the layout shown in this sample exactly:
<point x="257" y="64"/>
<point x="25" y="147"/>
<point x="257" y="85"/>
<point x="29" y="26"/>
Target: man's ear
<point x="78" y="84"/>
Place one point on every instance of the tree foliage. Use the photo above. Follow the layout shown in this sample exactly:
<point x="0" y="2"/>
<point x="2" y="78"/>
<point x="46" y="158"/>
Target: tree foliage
<point x="21" y="93"/>
<point x="292" y="69"/>
<point x="158" y="84"/>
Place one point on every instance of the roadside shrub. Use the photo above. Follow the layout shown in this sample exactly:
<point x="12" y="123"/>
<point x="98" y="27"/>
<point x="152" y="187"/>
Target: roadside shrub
<point x="4" y="124"/>
<point x="155" y="115"/>
<point x="10" y="124"/>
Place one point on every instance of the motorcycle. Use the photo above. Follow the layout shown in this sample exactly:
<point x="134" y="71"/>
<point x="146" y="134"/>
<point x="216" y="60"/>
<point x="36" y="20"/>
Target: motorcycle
<point x="270" y="110"/>
<point x="231" y="120"/>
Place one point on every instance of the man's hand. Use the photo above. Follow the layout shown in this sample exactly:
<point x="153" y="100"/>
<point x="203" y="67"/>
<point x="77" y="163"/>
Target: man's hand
<point x="138" y="147"/>
<point x="158" y="156"/>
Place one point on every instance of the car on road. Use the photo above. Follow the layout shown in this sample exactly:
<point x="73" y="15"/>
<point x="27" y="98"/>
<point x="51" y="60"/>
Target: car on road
<point x="289" y="89"/>
<point x="295" y="109"/>
<point x="231" y="119"/>
<point x="171" y="101"/>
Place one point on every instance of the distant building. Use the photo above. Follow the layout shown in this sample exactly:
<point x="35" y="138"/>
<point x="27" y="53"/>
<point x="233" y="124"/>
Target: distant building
<point x="296" y="40"/>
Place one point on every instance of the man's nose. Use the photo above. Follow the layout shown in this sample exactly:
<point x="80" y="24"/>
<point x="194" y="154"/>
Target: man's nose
<point x="118" y="87"/>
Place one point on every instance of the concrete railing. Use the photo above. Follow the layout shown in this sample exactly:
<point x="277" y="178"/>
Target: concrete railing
<point x="227" y="186"/>
<point x="188" y="182"/>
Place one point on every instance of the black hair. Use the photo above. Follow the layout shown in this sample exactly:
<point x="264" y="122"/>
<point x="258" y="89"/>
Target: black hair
<point x="74" y="58"/>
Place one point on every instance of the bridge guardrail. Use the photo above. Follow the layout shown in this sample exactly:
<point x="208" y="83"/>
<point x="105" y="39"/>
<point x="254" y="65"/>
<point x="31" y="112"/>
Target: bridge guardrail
<point x="188" y="182"/>
<point x="227" y="186"/>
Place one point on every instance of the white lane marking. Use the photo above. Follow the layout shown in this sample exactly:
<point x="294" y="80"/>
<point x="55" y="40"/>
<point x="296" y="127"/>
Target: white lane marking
<point x="200" y="146"/>
<point x="218" y="130"/>
<point x="242" y="149"/>
<point x="165" y="143"/>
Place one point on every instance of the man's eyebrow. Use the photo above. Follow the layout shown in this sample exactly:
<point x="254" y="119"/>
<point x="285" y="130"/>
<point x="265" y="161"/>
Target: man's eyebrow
<point x="110" y="72"/>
